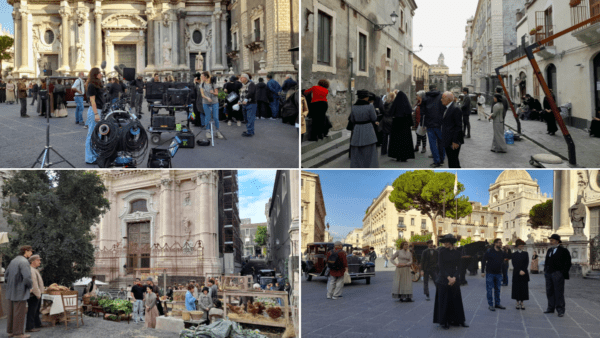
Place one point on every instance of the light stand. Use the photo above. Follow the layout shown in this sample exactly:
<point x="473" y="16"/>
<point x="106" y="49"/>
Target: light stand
<point x="44" y="158"/>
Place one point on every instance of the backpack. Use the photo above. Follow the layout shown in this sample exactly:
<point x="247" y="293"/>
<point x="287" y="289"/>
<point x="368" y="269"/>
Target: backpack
<point x="334" y="262"/>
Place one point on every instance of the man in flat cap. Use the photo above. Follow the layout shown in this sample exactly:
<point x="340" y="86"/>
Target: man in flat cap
<point x="556" y="270"/>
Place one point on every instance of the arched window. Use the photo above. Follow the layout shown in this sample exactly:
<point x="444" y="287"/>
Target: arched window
<point x="138" y="205"/>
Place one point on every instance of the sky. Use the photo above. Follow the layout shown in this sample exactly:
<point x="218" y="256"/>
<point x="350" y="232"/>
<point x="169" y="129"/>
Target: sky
<point x="6" y="19"/>
<point x="440" y="26"/>
<point x="348" y="193"/>
<point x="255" y="189"/>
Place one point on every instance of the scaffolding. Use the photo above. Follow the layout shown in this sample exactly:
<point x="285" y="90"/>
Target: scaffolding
<point x="231" y="241"/>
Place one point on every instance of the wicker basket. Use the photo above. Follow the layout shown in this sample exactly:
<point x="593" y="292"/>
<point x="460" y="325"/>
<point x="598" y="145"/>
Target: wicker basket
<point x="185" y="315"/>
<point x="55" y="292"/>
<point x="196" y="315"/>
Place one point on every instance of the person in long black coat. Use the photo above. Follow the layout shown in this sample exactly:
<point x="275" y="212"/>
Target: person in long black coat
<point x="549" y="116"/>
<point x="520" y="285"/>
<point x="401" y="142"/>
<point x="448" y="309"/>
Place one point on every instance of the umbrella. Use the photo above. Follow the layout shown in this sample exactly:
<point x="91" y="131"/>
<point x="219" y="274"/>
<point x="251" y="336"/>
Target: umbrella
<point x="86" y="280"/>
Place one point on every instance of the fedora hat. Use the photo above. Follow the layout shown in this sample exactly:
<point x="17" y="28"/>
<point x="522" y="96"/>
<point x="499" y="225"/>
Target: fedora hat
<point x="556" y="237"/>
<point x="448" y="238"/>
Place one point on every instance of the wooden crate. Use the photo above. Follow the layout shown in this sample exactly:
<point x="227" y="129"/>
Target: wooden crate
<point x="256" y="320"/>
<point x="237" y="283"/>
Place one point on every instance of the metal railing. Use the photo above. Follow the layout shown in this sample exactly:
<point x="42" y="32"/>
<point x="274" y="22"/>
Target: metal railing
<point x="515" y="53"/>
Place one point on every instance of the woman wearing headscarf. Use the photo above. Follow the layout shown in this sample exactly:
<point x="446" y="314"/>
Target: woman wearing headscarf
<point x="151" y="310"/>
<point x="499" y="143"/>
<point x="402" y="285"/>
<point x="385" y="124"/>
<point x="535" y="263"/>
<point x="520" y="285"/>
<point x="448" y="309"/>
<point x="401" y="142"/>
<point x="549" y="115"/>
<point x="363" y="142"/>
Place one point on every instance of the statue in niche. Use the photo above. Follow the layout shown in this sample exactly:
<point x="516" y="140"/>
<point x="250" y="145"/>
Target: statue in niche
<point x="166" y="52"/>
<point x="187" y="199"/>
<point x="187" y="227"/>
<point x="80" y="53"/>
<point x="582" y="182"/>
<point x="577" y="215"/>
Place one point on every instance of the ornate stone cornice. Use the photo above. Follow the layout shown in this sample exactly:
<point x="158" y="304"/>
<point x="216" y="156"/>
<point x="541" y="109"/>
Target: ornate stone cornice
<point x="256" y="12"/>
<point x="181" y="14"/>
<point x="124" y="22"/>
<point x="82" y="16"/>
<point x="235" y="27"/>
<point x="151" y="13"/>
<point x="98" y="12"/>
<point x="65" y="12"/>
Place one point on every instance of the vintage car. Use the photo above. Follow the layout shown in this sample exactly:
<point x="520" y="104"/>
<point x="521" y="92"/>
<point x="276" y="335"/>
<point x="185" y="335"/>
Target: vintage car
<point x="315" y="265"/>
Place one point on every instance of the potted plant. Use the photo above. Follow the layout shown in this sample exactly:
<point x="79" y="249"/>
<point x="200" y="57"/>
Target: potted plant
<point x="539" y="28"/>
<point x="532" y="32"/>
<point x="574" y="3"/>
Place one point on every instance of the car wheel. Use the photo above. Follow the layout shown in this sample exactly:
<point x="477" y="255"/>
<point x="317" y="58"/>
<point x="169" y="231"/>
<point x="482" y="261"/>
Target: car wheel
<point x="308" y="277"/>
<point x="368" y="279"/>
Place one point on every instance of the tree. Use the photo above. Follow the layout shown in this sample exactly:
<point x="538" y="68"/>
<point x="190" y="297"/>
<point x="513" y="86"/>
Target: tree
<point x="5" y="43"/>
<point x="420" y="238"/>
<point x="398" y="242"/>
<point x="422" y="190"/>
<point x="261" y="236"/>
<point x="540" y="215"/>
<point x="465" y="241"/>
<point x="53" y="212"/>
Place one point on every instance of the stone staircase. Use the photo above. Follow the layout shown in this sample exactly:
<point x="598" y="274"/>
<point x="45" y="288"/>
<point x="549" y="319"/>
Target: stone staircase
<point x="317" y="154"/>
<point x="592" y="274"/>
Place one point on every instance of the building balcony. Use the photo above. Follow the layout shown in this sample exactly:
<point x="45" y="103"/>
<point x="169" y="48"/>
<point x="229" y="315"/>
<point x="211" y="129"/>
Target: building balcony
<point x="253" y="42"/>
<point x="589" y="35"/>
<point x="423" y="227"/>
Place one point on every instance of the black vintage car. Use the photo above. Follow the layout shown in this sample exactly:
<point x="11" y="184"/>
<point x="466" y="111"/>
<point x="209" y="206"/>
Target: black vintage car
<point x="315" y="263"/>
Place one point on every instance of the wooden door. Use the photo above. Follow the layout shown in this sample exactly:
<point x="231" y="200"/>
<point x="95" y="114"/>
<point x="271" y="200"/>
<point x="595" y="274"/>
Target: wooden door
<point x="138" y="249"/>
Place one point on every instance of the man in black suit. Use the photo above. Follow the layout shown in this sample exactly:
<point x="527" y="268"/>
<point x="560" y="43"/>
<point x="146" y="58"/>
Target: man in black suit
<point x="465" y="107"/>
<point x="556" y="270"/>
<point x="452" y="133"/>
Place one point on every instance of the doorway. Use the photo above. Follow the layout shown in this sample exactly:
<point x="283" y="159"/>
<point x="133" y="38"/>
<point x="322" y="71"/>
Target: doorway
<point x="597" y="84"/>
<point x="125" y="55"/>
<point x="138" y="248"/>
<point x="551" y="78"/>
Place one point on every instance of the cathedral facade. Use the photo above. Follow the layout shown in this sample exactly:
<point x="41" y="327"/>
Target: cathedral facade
<point x="169" y="38"/>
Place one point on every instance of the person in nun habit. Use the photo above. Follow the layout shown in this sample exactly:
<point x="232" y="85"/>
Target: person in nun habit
<point x="363" y="143"/>
<point x="448" y="309"/>
<point x="401" y="141"/>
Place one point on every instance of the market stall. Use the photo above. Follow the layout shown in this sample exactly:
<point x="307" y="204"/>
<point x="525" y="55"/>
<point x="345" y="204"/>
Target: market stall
<point x="264" y="310"/>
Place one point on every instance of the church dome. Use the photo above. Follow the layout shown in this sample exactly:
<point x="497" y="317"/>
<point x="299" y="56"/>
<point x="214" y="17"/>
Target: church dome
<point x="513" y="175"/>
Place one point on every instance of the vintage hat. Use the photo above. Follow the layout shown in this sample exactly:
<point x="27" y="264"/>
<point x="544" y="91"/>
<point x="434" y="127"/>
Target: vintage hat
<point x="150" y="279"/>
<point x="361" y="94"/>
<point x="519" y="242"/>
<point x="556" y="237"/>
<point x="448" y="238"/>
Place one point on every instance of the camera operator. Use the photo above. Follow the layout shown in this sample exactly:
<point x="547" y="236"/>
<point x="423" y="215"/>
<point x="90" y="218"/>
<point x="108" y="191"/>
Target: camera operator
<point x="198" y="109"/>
<point x="137" y="94"/>
<point x="114" y="90"/>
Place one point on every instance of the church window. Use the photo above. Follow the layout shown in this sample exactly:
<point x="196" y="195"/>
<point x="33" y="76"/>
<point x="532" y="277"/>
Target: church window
<point x="49" y="36"/>
<point x="197" y="37"/>
<point x="324" y="38"/>
<point x="138" y="205"/>
<point x="257" y="35"/>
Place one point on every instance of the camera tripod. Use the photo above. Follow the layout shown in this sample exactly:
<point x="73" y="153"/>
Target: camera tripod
<point x="44" y="158"/>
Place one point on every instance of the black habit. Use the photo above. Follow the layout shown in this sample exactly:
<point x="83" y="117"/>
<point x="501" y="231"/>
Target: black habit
<point x="448" y="307"/>
<point x="550" y="119"/>
<point x="520" y="286"/>
<point x="401" y="140"/>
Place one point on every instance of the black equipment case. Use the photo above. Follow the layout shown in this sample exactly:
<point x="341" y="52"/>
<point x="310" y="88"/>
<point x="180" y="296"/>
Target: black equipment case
<point x="187" y="139"/>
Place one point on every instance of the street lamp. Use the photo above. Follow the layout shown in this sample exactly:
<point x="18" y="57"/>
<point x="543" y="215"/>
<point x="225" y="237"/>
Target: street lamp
<point x="394" y="16"/>
<point x="420" y="48"/>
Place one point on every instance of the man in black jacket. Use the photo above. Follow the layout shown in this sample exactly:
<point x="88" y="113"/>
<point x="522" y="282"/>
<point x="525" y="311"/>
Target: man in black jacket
<point x="429" y="266"/>
<point x="34" y="92"/>
<point x="137" y="86"/>
<point x="556" y="270"/>
<point x="465" y="107"/>
<point x="432" y="111"/>
<point x="492" y="263"/>
<point x="452" y="133"/>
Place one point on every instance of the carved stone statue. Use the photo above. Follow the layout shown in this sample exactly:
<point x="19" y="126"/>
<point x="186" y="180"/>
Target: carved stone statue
<point x="167" y="52"/>
<point x="80" y="53"/>
<point x="187" y="200"/>
<point x="577" y="214"/>
<point x="187" y="227"/>
<point x="582" y="182"/>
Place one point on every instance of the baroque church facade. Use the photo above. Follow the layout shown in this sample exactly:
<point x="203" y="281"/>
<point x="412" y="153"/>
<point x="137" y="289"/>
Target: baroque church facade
<point x="170" y="38"/>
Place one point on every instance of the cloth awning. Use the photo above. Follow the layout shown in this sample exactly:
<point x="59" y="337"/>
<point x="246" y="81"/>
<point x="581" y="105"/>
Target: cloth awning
<point x="86" y="280"/>
<point x="3" y="237"/>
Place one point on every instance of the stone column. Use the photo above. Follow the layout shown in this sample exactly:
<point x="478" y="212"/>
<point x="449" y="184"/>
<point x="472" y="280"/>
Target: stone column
<point x="166" y="185"/>
<point x="206" y="222"/>
<point x="245" y="53"/>
<point x="65" y="13"/>
<point x="565" y="228"/>
<point x="17" y="27"/>
<point x="98" y="40"/>
<point x="24" y="42"/>
<point x="217" y="38"/>
<point x="278" y="31"/>
<point x="181" y="14"/>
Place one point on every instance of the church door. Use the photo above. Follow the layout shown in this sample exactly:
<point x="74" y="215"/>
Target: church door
<point x="138" y="249"/>
<point x="125" y="55"/>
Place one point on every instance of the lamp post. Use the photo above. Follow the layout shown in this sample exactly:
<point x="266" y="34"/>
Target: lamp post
<point x="394" y="17"/>
<point x="420" y="48"/>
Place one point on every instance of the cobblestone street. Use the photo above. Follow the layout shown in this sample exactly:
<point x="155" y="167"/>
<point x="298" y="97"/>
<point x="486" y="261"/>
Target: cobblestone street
<point x="275" y="145"/>
<point x="475" y="153"/>
<point x="370" y="311"/>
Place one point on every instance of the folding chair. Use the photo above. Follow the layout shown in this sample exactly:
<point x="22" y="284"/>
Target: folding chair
<point x="70" y="303"/>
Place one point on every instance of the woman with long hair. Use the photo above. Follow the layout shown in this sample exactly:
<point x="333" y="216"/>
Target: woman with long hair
<point x="448" y="309"/>
<point x="385" y="125"/>
<point x="401" y="142"/>
<point x="363" y="142"/>
<point x="402" y="285"/>
<point x="520" y="285"/>
<point x="210" y="103"/>
<point x="499" y="143"/>
<point x="318" y="109"/>
<point x="95" y="94"/>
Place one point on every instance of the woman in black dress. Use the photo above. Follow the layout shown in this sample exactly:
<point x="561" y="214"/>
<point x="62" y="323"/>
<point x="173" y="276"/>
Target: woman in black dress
<point x="401" y="141"/>
<point x="549" y="116"/>
<point x="448" y="309"/>
<point x="520" y="286"/>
